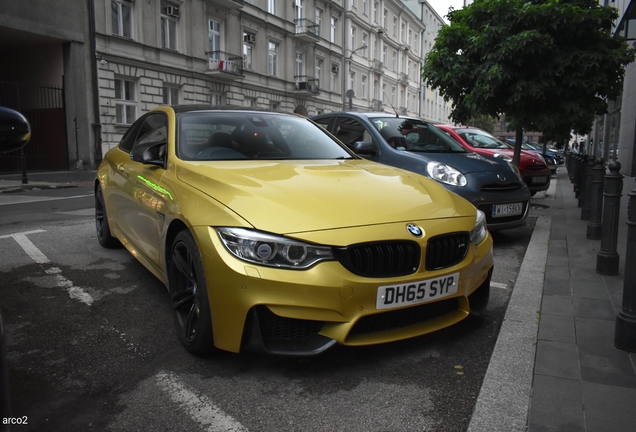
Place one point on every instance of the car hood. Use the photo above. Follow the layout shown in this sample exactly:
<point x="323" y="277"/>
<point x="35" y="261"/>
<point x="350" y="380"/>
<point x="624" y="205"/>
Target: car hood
<point x="299" y="196"/>
<point x="525" y="155"/>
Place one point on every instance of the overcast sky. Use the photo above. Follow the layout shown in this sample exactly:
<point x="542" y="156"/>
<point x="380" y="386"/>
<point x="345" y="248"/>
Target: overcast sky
<point x="441" y="6"/>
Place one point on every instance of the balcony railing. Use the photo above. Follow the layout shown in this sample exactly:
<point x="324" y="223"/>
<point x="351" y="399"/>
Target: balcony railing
<point x="404" y="78"/>
<point x="307" y="84"/>
<point x="377" y="66"/>
<point x="377" y="105"/>
<point x="306" y="30"/>
<point x="403" y="111"/>
<point x="222" y="63"/>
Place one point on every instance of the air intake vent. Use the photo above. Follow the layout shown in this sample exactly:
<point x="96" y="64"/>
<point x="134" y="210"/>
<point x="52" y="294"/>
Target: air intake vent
<point x="446" y="250"/>
<point x="381" y="259"/>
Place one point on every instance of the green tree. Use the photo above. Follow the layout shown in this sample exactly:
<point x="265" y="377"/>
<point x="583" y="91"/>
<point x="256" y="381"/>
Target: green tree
<point x="548" y="65"/>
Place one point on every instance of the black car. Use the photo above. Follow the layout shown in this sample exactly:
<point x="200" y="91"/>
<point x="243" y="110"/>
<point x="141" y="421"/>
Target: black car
<point x="492" y="185"/>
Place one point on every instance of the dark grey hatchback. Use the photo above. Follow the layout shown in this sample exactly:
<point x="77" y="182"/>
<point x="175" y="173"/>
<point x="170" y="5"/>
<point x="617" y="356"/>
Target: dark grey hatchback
<point x="493" y="185"/>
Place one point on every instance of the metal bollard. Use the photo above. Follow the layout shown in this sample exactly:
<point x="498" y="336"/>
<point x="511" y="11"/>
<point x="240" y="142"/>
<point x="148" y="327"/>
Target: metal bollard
<point x="587" y="190"/>
<point x="625" y="330"/>
<point x="607" y="259"/>
<point x="568" y="165"/>
<point x="577" y="174"/>
<point x="581" y="171"/>
<point x="594" y="227"/>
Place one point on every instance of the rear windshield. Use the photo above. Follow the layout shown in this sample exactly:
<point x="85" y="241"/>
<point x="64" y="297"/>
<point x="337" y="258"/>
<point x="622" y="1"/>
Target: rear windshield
<point x="415" y="135"/>
<point x="480" y="139"/>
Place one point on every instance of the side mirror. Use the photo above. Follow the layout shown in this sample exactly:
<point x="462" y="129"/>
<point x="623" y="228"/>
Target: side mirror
<point x="364" y="148"/>
<point x="15" y="131"/>
<point x="151" y="153"/>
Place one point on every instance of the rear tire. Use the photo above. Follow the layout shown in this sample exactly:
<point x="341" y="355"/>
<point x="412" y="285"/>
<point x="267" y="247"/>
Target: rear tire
<point x="104" y="236"/>
<point x="189" y="295"/>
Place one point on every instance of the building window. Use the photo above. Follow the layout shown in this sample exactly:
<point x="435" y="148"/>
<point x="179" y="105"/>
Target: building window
<point x="385" y="19"/>
<point x="393" y="95"/>
<point x="271" y="6"/>
<point x="334" y="77"/>
<point x="352" y="80"/>
<point x="169" y="17"/>
<point x="318" y="70"/>
<point x="354" y="3"/>
<point x="215" y="99"/>
<point x="318" y="21"/>
<point x="403" y="32"/>
<point x="334" y="28"/>
<point x="249" y="102"/>
<point x="125" y="101"/>
<point x="365" y="7"/>
<point x="171" y="95"/>
<point x="410" y="36"/>
<point x="376" y="85"/>
<point x="299" y="9"/>
<point x="248" y="51"/>
<point x="273" y="59"/>
<point x="275" y="105"/>
<point x="363" y="86"/>
<point x="384" y="55"/>
<point x="393" y="60"/>
<point x="395" y="26"/>
<point x="353" y="38"/>
<point x="121" y="15"/>
<point x="214" y="37"/>
<point x="365" y="44"/>
<point x="384" y="91"/>
<point x="299" y="64"/>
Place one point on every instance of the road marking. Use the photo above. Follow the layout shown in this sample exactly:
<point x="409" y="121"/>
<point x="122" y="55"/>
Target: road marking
<point x="199" y="408"/>
<point x="36" y="255"/>
<point x="28" y="246"/>
<point x="498" y="285"/>
<point x="27" y="201"/>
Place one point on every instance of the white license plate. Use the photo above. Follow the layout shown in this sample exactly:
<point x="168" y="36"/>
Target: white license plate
<point x="540" y="179"/>
<point x="507" y="209"/>
<point x="390" y="296"/>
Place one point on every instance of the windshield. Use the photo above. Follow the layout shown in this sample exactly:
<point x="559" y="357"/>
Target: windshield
<point x="222" y="135"/>
<point x="480" y="139"/>
<point x="415" y="135"/>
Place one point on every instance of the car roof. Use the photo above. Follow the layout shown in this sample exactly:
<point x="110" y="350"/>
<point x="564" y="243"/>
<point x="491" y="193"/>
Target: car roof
<point x="202" y="107"/>
<point x="372" y="115"/>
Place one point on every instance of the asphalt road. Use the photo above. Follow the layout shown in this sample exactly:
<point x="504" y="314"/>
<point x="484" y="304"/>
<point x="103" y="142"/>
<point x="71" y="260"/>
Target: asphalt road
<point x="92" y="346"/>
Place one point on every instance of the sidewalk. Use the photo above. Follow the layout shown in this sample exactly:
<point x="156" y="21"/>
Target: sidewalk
<point x="555" y="367"/>
<point x="47" y="180"/>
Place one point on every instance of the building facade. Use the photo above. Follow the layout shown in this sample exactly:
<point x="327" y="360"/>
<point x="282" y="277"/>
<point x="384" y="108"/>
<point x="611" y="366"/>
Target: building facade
<point x="125" y="57"/>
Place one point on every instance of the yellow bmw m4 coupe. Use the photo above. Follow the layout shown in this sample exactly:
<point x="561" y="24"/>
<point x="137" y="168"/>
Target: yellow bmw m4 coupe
<point x="271" y="235"/>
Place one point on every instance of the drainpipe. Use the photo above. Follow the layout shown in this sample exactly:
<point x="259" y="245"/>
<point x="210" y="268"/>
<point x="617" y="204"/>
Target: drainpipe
<point x="97" y="126"/>
<point x="344" y="56"/>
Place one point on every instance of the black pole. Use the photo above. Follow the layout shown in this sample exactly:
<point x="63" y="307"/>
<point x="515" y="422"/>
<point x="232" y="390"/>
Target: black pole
<point x="23" y="166"/>
<point x="587" y="189"/>
<point x="607" y="259"/>
<point x="595" y="227"/>
<point x="625" y="330"/>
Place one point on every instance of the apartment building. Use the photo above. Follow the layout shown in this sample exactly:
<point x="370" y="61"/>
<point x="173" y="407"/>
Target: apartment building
<point x="116" y="59"/>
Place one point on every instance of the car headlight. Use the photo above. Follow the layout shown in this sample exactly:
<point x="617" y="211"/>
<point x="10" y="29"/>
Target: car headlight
<point x="515" y="169"/>
<point x="480" y="231"/>
<point x="270" y="250"/>
<point x="503" y="156"/>
<point x="445" y="174"/>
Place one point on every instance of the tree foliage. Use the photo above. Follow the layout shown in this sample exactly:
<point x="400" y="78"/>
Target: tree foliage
<point x="548" y="65"/>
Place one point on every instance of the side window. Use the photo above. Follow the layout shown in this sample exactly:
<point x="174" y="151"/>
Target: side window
<point x="128" y="139"/>
<point x="349" y="131"/>
<point x="324" y="122"/>
<point x="154" y="128"/>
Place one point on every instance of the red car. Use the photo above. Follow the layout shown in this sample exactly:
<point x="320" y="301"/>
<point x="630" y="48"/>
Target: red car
<point x="532" y="167"/>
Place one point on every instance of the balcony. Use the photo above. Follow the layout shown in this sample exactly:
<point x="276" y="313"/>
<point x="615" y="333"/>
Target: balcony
<point x="307" y="85"/>
<point x="377" y="66"/>
<point x="403" y="111"/>
<point x="229" y="4"/>
<point x="306" y="30"/>
<point x="225" y="65"/>
<point x="403" y="78"/>
<point x="376" y="105"/>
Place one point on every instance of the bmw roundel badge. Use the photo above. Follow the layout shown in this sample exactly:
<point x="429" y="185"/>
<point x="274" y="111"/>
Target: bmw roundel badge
<point x="415" y="230"/>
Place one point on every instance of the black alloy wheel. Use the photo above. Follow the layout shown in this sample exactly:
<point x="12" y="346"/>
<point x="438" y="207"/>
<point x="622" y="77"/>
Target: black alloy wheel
<point x="189" y="296"/>
<point x="104" y="236"/>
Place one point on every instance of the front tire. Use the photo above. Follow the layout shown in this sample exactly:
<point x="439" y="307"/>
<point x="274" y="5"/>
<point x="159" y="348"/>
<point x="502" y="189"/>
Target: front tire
<point x="104" y="236"/>
<point x="189" y="295"/>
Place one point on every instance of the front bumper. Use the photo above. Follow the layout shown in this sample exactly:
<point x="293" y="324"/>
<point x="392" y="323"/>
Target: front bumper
<point x="305" y="312"/>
